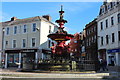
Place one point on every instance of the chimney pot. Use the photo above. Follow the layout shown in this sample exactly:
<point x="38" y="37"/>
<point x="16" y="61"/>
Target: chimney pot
<point x="13" y="18"/>
<point x="48" y="17"/>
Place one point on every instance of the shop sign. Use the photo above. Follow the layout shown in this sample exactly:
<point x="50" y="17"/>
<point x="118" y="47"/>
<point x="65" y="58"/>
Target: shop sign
<point x="113" y="50"/>
<point x="28" y="51"/>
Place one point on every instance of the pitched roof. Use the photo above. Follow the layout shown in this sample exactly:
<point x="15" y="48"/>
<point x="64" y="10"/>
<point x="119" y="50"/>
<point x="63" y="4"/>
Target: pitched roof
<point x="26" y="20"/>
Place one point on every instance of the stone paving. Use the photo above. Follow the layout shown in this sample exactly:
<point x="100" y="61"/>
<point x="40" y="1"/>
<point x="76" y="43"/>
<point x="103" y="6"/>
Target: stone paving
<point x="11" y="74"/>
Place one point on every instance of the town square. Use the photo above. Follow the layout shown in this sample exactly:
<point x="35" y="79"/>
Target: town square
<point x="60" y="40"/>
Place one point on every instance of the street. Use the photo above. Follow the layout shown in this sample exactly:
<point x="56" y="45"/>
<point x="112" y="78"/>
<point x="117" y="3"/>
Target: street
<point x="11" y="74"/>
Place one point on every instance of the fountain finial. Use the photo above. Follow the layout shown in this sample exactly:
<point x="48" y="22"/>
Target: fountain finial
<point x="61" y="7"/>
<point x="61" y="20"/>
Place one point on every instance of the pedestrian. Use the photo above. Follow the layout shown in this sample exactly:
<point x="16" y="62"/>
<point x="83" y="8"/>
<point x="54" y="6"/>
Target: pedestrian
<point x="105" y="65"/>
<point x="100" y="64"/>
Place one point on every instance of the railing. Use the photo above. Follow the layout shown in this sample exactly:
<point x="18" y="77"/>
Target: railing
<point x="88" y="65"/>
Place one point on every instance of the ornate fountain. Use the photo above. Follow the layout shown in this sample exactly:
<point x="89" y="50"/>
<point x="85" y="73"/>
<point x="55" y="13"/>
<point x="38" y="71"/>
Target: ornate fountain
<point x="60" y="53"/>
<point x="60" y="50"/>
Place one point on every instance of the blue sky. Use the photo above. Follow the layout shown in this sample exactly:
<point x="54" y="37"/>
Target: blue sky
<point x="78" y="14"/>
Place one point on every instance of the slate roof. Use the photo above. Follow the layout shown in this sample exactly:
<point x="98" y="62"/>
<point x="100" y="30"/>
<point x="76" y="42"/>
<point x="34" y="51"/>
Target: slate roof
<point x="26" y="20"/>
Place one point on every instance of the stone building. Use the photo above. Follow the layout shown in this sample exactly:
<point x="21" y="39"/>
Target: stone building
<point x="109" y="32"/>
<point x="27" y="38"/>
<point x="75" y="46"/>
<point x="91" y="56"/>
<point x="91" y="41"/>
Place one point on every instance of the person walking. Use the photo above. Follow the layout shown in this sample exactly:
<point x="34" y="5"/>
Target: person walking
<point x="105" y="65"/>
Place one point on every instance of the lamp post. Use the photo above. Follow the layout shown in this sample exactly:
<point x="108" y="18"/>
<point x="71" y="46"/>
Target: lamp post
<point x="2" y="55"/>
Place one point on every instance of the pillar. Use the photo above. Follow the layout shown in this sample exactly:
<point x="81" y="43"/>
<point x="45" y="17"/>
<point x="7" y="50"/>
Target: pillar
<point x="36" y="57"/>
<point x="0" y="59"/>
<point x="6" y="60"/>
<point x="117" y="59"/>
<point x="42" y="56"/>
<point x="19" y="66"/>
<point x="36" y="60"/>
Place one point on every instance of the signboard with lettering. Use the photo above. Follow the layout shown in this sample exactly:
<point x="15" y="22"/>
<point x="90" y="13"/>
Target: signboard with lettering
<point x="113" y="50"/>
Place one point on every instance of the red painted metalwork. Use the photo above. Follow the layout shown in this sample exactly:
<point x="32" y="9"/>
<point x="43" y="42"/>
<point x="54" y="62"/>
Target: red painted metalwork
<point x="60" y="37"/>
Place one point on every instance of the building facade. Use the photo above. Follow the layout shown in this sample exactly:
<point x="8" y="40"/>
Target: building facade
<point x="91" y="55"/>
<point x="109" y="32"/>
<point x="75" y="46"/>
<point x="0" y="43"/>
<point x="91" y="41"/>
<point x="25" y="40"/>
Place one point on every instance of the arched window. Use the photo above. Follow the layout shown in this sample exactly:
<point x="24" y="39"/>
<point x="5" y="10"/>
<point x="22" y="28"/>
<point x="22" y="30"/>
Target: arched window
<point x="119" y="18"/>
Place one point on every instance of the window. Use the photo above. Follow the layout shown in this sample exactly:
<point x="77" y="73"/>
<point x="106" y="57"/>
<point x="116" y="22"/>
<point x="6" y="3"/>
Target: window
<point x="24" y="43"/>
<point x="111" y="4"/>
<point x="107" y="39"/>
<point x="75" y="41"/>
<point x="106" y="21"/>
<point x="117" y="2"/>
<point x="102" y="10"/>
<point x="87" y="42"/>
<point x="101" y="40"/>
<point x="119" y="18"/>
<point x="114" y="3"/>
<point x="8" y="30"/>
<point x="119" y="35"/>
<point x="112" y="21"/>
<point x="25" y="29"/>
<point x="6" y="43"/>
<point x="33" y="42"/>
<point x="14" y="43"/>
<point x="15" y="30"/>
<point x="49" y="29"/>
<point x="101" y="25"/>
<point x="113" y="37"/>
<point x="108" y="7"/>
<point x="34" y="27"/>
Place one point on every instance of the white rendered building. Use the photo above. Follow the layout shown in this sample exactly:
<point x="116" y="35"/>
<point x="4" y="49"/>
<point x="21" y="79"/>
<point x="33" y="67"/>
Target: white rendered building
<point x="109" y="32"/>
<point x="27" y="38"/>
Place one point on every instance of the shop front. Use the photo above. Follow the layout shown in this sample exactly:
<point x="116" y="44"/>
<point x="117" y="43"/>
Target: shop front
<point x="113" y="57"/>
<point x="14" y="58"/>
<point x="102" y="54"/>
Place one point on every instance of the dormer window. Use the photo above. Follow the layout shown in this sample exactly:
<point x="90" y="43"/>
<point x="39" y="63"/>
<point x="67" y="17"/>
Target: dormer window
<point x="108" y="7"/>
<point x="103" y="10"/>
<point x="111" y="4"/>
<point x="114" y="3"/>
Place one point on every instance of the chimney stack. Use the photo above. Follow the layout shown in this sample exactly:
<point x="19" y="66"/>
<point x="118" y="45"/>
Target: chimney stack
<point x="48" y="17"/>
<point x="13" y="18"/>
